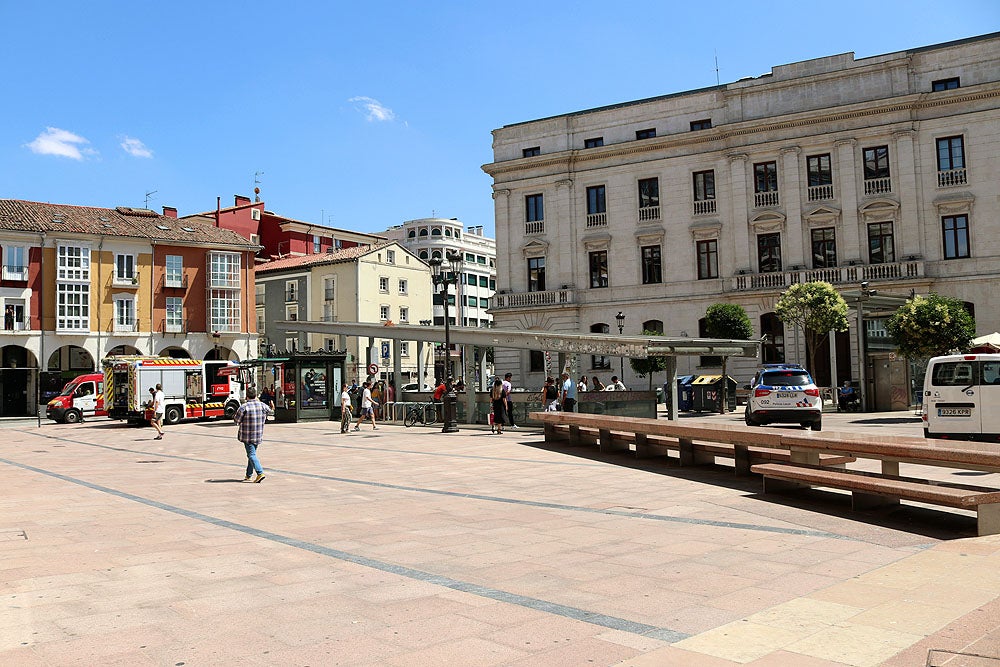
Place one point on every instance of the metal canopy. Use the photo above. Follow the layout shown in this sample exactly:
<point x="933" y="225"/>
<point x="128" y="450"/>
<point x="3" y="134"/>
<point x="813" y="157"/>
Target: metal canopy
<point x="633" y="347"/>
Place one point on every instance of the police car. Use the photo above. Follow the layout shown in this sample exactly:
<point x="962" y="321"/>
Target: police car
<point x="786" y="394"/>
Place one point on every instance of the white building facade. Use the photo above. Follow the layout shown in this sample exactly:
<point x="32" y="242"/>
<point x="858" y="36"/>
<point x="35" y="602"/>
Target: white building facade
<point x="880" y="170"/>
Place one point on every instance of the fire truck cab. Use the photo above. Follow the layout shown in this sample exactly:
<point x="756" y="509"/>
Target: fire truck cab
<point x="192" y="389"/>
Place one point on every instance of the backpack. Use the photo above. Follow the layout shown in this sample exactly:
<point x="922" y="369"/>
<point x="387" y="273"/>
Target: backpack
<point x="551" y="393"/>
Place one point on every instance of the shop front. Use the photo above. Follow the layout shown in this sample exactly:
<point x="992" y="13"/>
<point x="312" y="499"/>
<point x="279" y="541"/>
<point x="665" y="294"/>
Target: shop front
<point x="305" y="385"/>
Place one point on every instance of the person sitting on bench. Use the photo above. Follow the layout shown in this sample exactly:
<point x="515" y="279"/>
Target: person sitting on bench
<point x="846" y="396"/>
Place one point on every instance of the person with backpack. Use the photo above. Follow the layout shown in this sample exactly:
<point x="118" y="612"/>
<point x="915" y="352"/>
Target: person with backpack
<point x="550" y="395"/>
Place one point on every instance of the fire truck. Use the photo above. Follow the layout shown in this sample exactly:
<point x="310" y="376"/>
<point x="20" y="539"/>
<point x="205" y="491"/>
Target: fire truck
<point x="192" y="389"/>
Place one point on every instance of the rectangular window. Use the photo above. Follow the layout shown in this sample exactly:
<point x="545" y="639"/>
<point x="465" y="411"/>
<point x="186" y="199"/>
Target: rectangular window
<point x="596" y="142"/>
<point x="291" y="291"/>
<point x="472" y="301"/>
<point x="531" y="152"/>
<point x="404" y="348"/>
<point x="174" y="273"/>
<point x="383" y="284"/>
<point x="124" y="268"/>
<point x="471" y="276"/>
<point x="390" y="256"/>
<point x="880" y="243"/>
<point x="292" y="313"/>
<point x="536" y="361"/>
<point x="536" y="274"/>
<point x="645" y="134"/>
<point x="73" y="306"/>
<point x="765" y="177"/>
<point x="649" y="192"/>
<point x="73" y="263"/>
<point x="651" y="270"/>
<point x="769" y="253"/>
<point x="329" y="289"/>
<point x="945" y="84"/>
<point x="956" y="236"/>
<point x="493" y="283"/>
<point x="704" y="185"/>
<point x="599" y="269"/>
<point x="383" y="312"/>
<point x="876" y="162"/>
<point x="701" y="124"/>
<point x="224" y="310"/>
<point x="125" y="313"/>
<point x="950" y="153"/>
<point x="534" y="208"/>
<point x="708" y="259"/>
<point x="470" y="257"/>
<point x="224" y="270"/>
<point x="484" y="303"/>
<point x="824" y="248"/>
<point x="404" y="314"/>
<point x="317" y="245"/>
<point x="15" y="265"/>
<point x="402" y="286"/>
<point x="484" y="281"/>
<point x="819" y="170"/>
<point x="596" y="201"/>
<point x="175" y="316"/>
<point x="481" y="259"/>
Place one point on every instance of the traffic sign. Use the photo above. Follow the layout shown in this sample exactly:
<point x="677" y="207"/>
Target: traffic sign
<point x="372" y="369"/>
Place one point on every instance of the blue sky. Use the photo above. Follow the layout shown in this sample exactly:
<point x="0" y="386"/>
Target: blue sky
<point x="363" y="115"/>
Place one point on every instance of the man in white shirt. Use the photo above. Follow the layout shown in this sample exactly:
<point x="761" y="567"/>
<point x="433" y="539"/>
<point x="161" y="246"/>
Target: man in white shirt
<point x="615" y="385"/>
<point x="158" y="411"/>
<point x="367" y="407"/>
<point x="345" y="408"/>
<point x="508" y="386"/>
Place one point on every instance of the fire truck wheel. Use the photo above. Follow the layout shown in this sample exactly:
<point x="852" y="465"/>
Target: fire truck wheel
<point x="231" y="408"/>
<point x="172" y="415"/>
<point x="71" y="417"/>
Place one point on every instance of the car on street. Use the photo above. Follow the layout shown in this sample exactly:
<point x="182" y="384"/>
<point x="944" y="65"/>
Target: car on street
<point x="784" y="394"/>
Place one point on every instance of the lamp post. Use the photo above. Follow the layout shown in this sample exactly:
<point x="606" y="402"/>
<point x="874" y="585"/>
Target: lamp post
<point x="444" y="273"/>
<point x="621" y="327"/>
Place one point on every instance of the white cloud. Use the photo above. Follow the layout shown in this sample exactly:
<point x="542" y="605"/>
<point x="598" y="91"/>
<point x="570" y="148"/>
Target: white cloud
<point x="373" y="109"/>
<point x="54" y="141"/>
<point x="135" y="148"/>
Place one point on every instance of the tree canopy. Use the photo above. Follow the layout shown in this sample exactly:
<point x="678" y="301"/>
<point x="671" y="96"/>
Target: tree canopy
<point x="728" y="320"/>
<point x="816" y="308"/>
<point x="932" y="325"/>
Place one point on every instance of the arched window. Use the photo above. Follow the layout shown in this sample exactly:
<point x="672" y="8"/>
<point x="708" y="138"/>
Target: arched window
<point x="447" y="231"/>
<point x="773" y="331"/>
<point x="412" y="234"/>
<point x="436" y="254"/>
<point x="423" y="254"/>
<point x="423" y="232"/>
<point x="436" y="231"/>
<point x="600" y="362"/>
<point x="656" y="326"/>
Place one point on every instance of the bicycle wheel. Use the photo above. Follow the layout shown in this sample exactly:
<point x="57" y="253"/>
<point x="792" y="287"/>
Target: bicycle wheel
<point x="432" y="411"/>
<point x="411" y="418"/>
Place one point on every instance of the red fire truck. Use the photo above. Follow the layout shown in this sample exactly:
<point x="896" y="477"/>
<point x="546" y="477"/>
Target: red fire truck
<point x="192" y="389"/>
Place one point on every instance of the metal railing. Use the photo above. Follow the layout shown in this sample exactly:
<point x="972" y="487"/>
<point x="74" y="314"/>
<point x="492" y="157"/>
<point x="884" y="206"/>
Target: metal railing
<point x="833" y="275"/>
<point x="175" y="283"/>
<point x="12" y="272"/>
<point x="125" y="281"/>
<point x="531" y="299"/>
<point x="125" y="327"/>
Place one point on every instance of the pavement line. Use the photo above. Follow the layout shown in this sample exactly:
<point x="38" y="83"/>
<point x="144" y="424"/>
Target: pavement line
<point x="495" y="499"/>
<point x="603" y="620"/>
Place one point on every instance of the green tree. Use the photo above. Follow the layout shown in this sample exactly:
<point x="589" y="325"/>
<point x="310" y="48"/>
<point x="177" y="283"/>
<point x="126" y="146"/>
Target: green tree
<point x="729" y="321"/>
<point x="649" y="365"/>
<point x="817" y="309"/>
<point x="932" y="325"/>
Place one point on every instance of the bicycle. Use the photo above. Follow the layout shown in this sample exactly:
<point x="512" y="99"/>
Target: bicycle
<point x="419" y="413"/>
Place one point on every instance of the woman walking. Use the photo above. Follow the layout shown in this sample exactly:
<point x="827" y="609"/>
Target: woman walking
<point x="499" y="402"/>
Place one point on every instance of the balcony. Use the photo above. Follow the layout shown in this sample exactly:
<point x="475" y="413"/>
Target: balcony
<point x="597" y="220"/>
<point x="14" y="272"/>
<point x="837" y="275"/>
<point x="125" y="327"/>
<point x="704" y="207"/>
<point x="878" y="186"/>
<point x="174" y="327"/>
<point x="820" y="192"/>
<point x="952" y="177"/>
<point x="649" y="214"/>
<point x="532" y="299"/>
<point x="764" y="199"/>
<point x="175" y="281"/>
<point x="534" y="227"/>
<point x="125" y="281"/>
<point x="19" y="325"/>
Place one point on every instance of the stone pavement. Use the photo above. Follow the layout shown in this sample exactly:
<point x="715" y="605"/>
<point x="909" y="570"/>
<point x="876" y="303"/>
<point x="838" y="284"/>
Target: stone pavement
<point x="412" y="547"/>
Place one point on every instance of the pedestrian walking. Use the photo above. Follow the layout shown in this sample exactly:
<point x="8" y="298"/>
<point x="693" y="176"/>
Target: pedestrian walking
<point x="367" y="406"/>
<point x="345" y="408"/>
<point x="550" y="395"/>
<point x="568" y="393"/>
<point x="499" y="403"/>
<point x="250" y="419"/>
<point x="508" y="387"/>
<point x="158" y="411"/>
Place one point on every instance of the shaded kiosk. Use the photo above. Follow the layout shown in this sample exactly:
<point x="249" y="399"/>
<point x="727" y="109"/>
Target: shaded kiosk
<point x="306" y="384"/>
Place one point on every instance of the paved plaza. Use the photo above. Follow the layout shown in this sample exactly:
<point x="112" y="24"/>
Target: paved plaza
<point x="412" y="547"/>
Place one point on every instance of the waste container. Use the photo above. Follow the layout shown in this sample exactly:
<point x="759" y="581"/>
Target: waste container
<point x="706" y="391"/>
<point x="683" y="392"/>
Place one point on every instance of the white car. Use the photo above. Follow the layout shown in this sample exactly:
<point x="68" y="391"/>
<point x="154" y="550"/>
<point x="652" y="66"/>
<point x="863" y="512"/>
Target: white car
<point x="413" y="387"/>
<point x="786" y="394"/>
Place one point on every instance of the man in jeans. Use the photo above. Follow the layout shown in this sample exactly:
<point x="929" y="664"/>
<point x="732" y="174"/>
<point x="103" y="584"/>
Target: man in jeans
<point x="508" y="387"/>
<point x="250" y="420"/>
<point x="568" y="393"/>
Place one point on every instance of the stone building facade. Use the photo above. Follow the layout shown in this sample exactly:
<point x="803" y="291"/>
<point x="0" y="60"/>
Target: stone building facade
<point x="879" y="170"/>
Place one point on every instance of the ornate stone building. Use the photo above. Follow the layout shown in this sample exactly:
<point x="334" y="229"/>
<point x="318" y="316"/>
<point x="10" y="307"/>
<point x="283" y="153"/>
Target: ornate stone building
<point x="879" y="170"/>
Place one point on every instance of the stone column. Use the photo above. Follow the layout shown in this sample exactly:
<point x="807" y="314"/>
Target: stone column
<point x="791" y="201"/>
<point x="561" y="224"/>
<point x="741" y="252"/>
<point x="504" y="235"/>
<point x="907" y="231"/>
<point x="849" y="235"/>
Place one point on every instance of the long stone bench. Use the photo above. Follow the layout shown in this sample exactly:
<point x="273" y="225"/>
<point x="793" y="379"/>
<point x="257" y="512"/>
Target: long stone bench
<point x="874" y="490"/>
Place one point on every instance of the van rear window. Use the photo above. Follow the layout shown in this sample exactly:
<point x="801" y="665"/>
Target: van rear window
<point x="954" y="374"/>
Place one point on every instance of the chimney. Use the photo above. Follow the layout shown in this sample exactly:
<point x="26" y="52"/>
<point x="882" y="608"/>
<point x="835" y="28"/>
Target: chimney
<point x="170" y="212"/>
<point x="241" y="200"/>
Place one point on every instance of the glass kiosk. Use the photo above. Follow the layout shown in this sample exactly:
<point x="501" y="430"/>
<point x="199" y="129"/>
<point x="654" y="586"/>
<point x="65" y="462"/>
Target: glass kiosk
<point x="305" y="385"/>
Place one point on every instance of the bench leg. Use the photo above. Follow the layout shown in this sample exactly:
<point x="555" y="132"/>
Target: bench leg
<point x="867" y="501"/>
<point x="989" y="519"/>
<point x="742" y="458"/>
<point x="552" y="434"/>
<point x="809" y="458"/>
<point x="644" y="450"/>
<point x="690" y="457"/>
<point x="890" y="468"/>
<point x="607" y="444"/>
<point x="574" y="434"/>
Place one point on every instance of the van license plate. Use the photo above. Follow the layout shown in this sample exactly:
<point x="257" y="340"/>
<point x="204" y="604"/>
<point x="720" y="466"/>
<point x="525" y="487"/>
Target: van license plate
<point x="954" y="412"/>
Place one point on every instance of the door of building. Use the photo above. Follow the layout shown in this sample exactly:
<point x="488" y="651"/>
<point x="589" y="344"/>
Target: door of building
<point x="890" y="380"/>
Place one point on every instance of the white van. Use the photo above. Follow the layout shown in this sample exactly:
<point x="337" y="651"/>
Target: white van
<point x="962" y="397"/>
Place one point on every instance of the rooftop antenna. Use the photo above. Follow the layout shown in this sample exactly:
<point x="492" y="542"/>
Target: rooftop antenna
<point x="717" y="82"/>
<point x="149" y="195"/>
<point x="256" y="183"/>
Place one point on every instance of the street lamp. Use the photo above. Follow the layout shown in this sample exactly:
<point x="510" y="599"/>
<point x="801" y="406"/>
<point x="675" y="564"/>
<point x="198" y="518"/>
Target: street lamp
<point x="621" y="327"/>
<point x="444" y="273"/>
